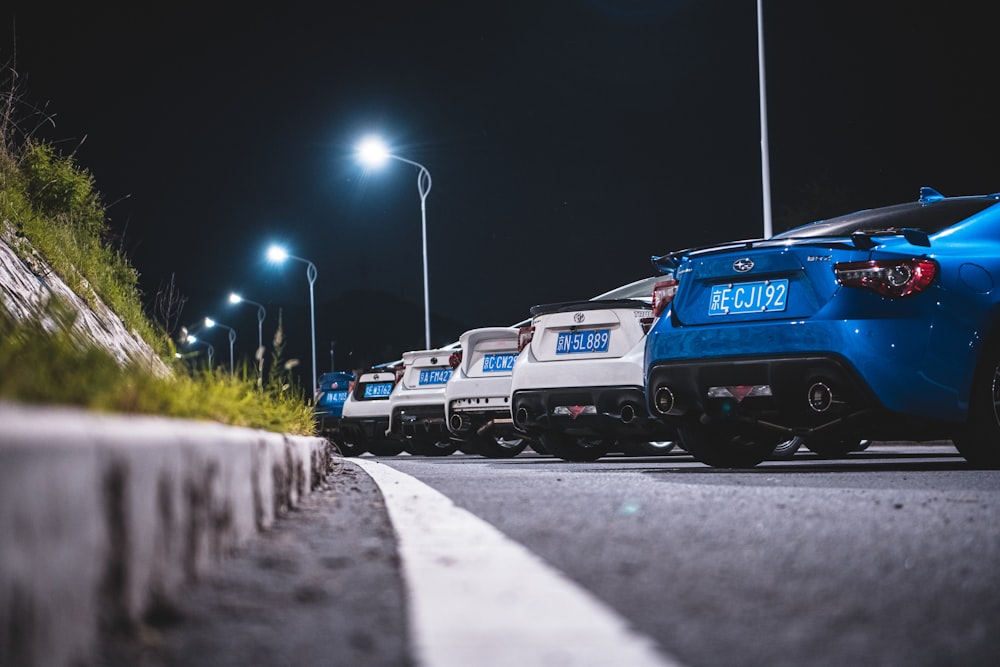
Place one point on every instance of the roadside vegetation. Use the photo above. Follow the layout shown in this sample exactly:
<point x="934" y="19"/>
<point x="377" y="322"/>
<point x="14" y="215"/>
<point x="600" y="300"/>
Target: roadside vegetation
<point x="53" y="205"/>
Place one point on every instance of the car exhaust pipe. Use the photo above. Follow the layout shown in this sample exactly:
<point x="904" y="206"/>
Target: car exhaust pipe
<point x="459" y="422"/>
<point x="665" y="402"/>
<point x="628" y="413"/>
<point x="820" y="397"/>
<point x="521" y="416"/>
<point x="493" y="423"/>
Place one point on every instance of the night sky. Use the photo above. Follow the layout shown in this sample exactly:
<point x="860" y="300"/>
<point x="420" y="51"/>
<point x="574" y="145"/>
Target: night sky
<point x="568" y="141"/>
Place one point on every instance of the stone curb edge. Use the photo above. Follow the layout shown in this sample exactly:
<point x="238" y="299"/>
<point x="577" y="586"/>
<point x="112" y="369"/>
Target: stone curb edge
<point x="104" y="517"/>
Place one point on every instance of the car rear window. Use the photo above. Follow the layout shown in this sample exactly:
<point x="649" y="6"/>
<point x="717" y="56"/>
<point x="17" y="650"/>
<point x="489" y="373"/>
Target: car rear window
<point x="930" y="218"/>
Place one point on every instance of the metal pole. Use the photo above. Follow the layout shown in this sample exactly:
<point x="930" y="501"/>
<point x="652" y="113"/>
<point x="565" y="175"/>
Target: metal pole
<point x="423" y="188"/>
<point x="765" y="168"/>
<point x="311" y="274"/>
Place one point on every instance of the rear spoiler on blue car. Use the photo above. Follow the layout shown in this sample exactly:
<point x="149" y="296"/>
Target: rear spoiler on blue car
<point x="669" y="262"/>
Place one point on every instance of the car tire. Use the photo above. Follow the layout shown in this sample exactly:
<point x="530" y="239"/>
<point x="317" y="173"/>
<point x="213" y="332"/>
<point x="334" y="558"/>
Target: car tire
<point x="431" y="446"/>
<point x="573" y="448"/>
<point x="539" y="447"/>
<point x="786" y="450"/>
<point x="834" y="448"/>
<point x="658" y="448"/>
<point x="385" y="447"/>
<point x="723" y="447"/>
<point x="350" y="446"/>
<point x="979" y="441"/>
<point x="500" y="447"/>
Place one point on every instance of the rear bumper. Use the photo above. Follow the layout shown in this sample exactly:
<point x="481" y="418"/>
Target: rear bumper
<point x="619" y="412"/>
<point x="369" y="428"/>
<point x="806" y="395"/>
<point x="918" y="366"/>
<point x="417" y="420"/>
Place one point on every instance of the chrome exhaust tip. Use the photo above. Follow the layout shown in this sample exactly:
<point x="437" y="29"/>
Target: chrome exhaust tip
<point x="458" y="422"/>
<point x="664" y="400"/>
<point x="820" y="397"/>
<point x="628" y="413"/>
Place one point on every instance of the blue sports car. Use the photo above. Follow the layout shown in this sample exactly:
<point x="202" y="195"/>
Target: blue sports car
<point x="880" y="324"/>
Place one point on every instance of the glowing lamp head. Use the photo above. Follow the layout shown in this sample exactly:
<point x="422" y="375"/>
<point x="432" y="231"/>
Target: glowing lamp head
<point x="277" y="254"/>
<point x="372" y="152"/>
<point x="235" y="298"/>
<point x="209" y="322"/>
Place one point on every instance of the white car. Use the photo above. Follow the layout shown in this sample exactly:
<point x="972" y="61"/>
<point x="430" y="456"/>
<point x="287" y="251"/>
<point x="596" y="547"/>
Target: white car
<point x="477" y="397"/>
<point x="416" y="406"/>
<point x="578" y="383"/>
<point x="365" y="416"/>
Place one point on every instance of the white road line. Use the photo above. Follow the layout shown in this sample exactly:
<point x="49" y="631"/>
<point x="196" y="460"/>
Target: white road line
<point x="475" y="597"/>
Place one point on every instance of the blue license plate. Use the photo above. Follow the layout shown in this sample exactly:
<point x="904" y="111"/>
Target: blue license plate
<point x="499" y="363"/>
<point x="334" y="397"/>
<point x="378" y="389"/>
<point x="578" y="342"/>
<point x="762" y="296"/>
<point x="434" y="376"/>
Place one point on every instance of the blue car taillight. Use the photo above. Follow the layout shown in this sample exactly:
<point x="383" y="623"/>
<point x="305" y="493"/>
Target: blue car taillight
<point x="894" y="278"/>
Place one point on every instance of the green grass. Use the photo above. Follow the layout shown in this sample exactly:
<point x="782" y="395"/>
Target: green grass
<point x="41" y="365"/>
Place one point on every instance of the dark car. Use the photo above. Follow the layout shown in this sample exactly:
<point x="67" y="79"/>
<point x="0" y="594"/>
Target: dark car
<point x="880" y="324"/>
<point x="331" y="392"/>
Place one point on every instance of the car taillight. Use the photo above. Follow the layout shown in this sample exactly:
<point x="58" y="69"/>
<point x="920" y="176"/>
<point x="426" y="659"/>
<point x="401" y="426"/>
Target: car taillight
<point x="524" y="336"/>
<point x="663" y="294"/>
<point x="400" y="372"/>
<point x="894" y="278"/>
<point x="455" y="359"/>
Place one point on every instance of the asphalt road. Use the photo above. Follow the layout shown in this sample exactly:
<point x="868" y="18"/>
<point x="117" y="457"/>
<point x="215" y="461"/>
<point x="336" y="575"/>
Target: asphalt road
<point x="890" y="557"/>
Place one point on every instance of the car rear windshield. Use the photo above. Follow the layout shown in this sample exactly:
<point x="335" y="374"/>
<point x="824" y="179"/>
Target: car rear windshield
<point x="930" y="218"/>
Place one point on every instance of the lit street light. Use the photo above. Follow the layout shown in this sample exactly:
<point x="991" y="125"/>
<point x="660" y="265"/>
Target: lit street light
<point x="209" y="323"/>
<point x="277" y="254"/>
<point x="191" y="340"/>
<point x="373" y="153"/>
<point x="236" y="298"/>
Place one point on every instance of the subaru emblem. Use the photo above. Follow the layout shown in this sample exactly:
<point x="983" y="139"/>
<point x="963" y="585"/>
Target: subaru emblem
<point x="743" y="265"/>
<point x="578" y="317"/>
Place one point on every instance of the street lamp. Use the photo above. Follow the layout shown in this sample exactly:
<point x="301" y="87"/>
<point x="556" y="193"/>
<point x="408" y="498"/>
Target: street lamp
<point x="209" y="323"/>
<point x="211" y="349"/>
<point x="236" y="298"/>
<point x="278" y="254"/>
<point x="372" y="152"/>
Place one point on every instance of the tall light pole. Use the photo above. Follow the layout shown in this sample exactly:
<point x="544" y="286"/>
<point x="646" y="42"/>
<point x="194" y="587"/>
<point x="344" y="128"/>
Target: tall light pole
<point x="209" y="323"/>
<point x="373" y="153"/>
<point x="236" y="298"/>
<point x="765" y="162"/>
<point x="277" y="254"/>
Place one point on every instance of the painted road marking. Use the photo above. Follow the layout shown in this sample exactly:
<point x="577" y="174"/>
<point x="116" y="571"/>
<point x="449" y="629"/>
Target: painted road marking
<point x="476" y="597"/>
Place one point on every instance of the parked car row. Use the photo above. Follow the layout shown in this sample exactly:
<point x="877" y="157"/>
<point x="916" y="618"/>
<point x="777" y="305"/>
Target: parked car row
<point x="880" y="324"/>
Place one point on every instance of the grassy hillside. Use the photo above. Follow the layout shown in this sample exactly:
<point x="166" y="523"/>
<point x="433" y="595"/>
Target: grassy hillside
<point x="55" y="210"/>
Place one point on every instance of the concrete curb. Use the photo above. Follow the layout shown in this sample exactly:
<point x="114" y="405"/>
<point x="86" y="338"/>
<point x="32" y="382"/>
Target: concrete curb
<point x="104" y="517"/>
